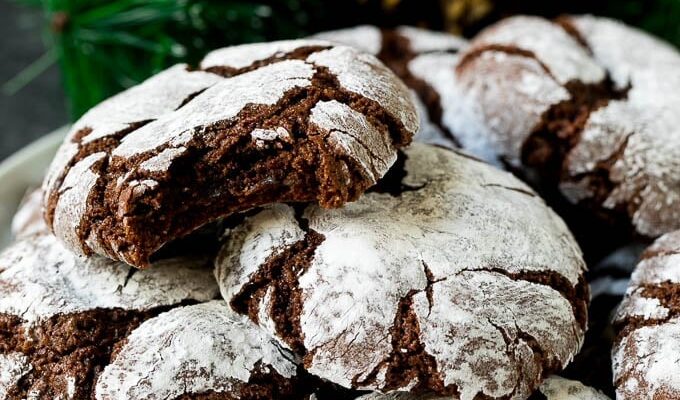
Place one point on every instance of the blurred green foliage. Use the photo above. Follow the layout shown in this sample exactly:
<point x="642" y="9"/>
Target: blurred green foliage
<point x="104" y="46"/>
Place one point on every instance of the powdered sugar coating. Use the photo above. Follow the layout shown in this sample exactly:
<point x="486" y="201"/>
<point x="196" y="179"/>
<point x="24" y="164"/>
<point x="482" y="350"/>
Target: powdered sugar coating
<point x="252" y="242"/>
<point x="148" y="147"/>
<point x="156" y="96"/>
<point x="28" y="219"/>
<point x="367" y="38"/>
<point x="242" y="56"/>
<point x="647" y="353"/>
<point x="429" y="132"/>
<point x="645" y="363"/>
<point x="265" y="137"/>
<point x="354" y="134"/>
<point x="13" y="366"/>
<point x="460" y="115"/>
<point x="624" y="159"/>
<point x="564" y="57"/>
<point x="427" y="41"/>
<point x="39" y="278"/>
<point x="473" y="228"/>
<point x="640" y="133"/>
<point x="553" y="388"/>
<point x="353" y="68"/>
<point x="72" y="202"/>
<point x="418" y="43"/>
<point x="191" y="350"/>
<point x="220" y="102"/>
<point x="557" y="388"/>
<point x="502" y="109"/>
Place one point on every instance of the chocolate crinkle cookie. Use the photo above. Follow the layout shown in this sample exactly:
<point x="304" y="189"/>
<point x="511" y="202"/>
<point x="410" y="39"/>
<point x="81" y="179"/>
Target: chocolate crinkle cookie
<point x="420" y="58"/>
<point x="646" y="353"/>
<point x="60" y="315"/>
<point x="302" y="120"/>
<point x="199" y="352"/>
<point x="553" y="388"/>
<point x="588" y="103"/>
<point x="450" y="277"/>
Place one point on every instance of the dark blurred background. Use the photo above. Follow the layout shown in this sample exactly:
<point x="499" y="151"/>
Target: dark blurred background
<point x="60" y="57"/>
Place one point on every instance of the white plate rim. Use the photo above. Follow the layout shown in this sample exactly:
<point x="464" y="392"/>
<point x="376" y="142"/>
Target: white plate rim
<point x="23" y="170"/>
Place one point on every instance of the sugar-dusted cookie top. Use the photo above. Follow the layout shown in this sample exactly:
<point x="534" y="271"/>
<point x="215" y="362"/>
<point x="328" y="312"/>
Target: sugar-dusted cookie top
<point x="590" y="104"/>
<point x="646" y="353"/>
<point x="449" y="276"/>
<point x="196" y="350"/>
<point x="283" y="121"/>
<point x="407" y="51"/>
<point x="61" y="315"/>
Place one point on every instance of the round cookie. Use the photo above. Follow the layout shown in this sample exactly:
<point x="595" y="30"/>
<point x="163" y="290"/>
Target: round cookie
<point x="449" y="276"/>
<point x="401" y="49"/>
<point x="553" y="388"/>
<point x="60" y="315"/>
<point x="283" y="121"/>
<point x="646" y="353"/>
<point x="587" y="102"/>
<point x="199" y="350"/>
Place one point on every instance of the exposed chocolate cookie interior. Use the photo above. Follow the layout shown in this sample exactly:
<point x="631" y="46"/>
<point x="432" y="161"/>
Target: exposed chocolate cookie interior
<point x="61" y="316"/>
<point x="450" y="276"/>
<point x="283" y="121"/>
<point x="647" y="349"/>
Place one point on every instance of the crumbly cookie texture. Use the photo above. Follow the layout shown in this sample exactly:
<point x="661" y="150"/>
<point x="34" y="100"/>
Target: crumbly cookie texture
<point x="61" y="315"/>
<point x="450" y="276"/>
<point x="199" y="349"/>
<point x="589" y="103"/>
<point x="646" y="353"/>
<point x="28" y="220"/>
<point x="553" y="388"/>
<point x="13" y="367"/>
<point x="402" y="49"/>
<point x="302" y="120"/>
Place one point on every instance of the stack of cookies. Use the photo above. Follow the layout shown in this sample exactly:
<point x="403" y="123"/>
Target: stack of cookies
<point x="329" y="218"/>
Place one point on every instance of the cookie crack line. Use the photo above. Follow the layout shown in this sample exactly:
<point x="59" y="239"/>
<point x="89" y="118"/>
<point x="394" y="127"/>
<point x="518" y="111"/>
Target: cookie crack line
<point x="396" y="55"/>
<point x="101" y="145"/>
<point x="507" y="49"/>
<point x="301" y="53"/>
<point x="408" y="359"/>
<point x="576" y="295"/>
<point x="279" y="277"/>
<point x="668" y="295"/>
<point x="49" y="343"/>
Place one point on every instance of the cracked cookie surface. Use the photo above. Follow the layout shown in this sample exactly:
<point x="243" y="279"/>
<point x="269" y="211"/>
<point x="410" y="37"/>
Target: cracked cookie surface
<point x="421" y="58"/>
<point x="254" y="124"/>
<point x="61" y="315"/>
<point x="199" y="350"/>
<point x="450" y="276"/>
<point x="646" y="352"/>
<point x="588" y="103"/>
